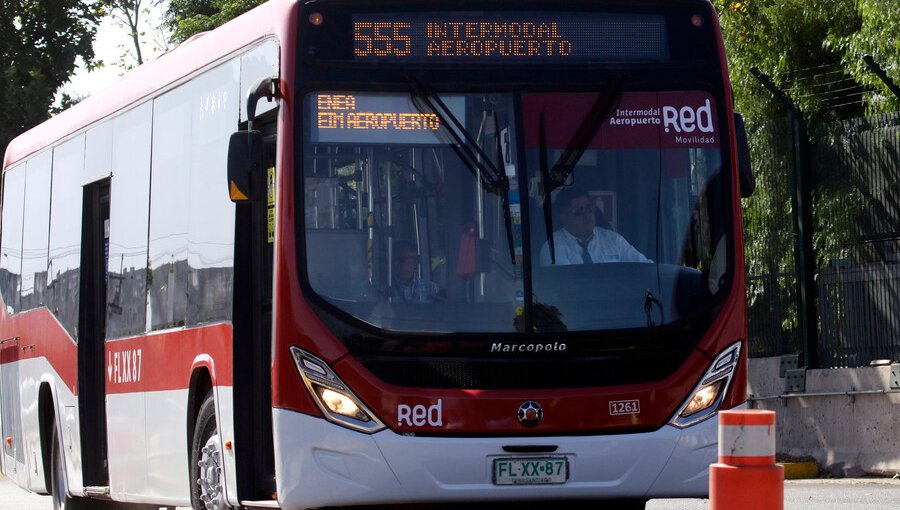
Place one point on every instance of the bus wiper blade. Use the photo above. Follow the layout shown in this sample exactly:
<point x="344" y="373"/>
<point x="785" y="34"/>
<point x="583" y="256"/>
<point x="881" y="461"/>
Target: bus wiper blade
<point x="465" y="145"/>
<point x="649" y="301"/>
<point x="602" y="109"/>
<point x="507" y="212"/>
<point x="548" y="188"/>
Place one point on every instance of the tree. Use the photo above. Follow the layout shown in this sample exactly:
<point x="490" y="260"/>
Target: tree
<point x="40" y="43"/>
<point x="136" y="18"/>
<point x="186" y="18"/>
<point x="813" y="52"/>
<point x="877" y="37"/>
<point x="788" y="39"/>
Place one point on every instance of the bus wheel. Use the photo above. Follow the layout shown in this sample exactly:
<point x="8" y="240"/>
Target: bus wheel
<point x="58" y="485"/>
<point x="207" y="491"/>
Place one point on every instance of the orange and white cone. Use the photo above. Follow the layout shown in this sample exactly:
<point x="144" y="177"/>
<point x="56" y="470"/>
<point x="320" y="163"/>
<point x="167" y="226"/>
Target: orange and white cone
<point x="746" y="476"/>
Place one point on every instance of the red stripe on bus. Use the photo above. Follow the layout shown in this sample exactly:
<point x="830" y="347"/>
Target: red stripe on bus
<point x="164" y="361"/>
<point x="154" y="362"/>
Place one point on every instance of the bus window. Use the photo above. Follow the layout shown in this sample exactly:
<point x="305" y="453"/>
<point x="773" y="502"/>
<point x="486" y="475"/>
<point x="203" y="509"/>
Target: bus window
<point x="640" y="195"/>
<point x="37" y="224"/>
<point x="169" y="201"/>
<point x="382" y="181"/>
<point x="65" y="242"/>
<point x="211" y="223"/>
<point x="129" y="206"/>
<point x="11" y="255"/>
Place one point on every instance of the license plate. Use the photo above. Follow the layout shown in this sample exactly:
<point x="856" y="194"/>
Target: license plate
<point x="530" y="470"/>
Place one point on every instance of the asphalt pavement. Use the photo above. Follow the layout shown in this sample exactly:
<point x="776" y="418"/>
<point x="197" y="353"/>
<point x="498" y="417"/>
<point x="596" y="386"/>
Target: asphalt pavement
<point x="831" y="494"/>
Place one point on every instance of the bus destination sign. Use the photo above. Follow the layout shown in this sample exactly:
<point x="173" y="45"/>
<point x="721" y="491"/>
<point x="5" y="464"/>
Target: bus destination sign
<point x="376" y="118"/>
<point x="502" y="37"/>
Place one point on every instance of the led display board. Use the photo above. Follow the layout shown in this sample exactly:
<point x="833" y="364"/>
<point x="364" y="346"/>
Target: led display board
<point x="508" y="37"/>
<point x="377" y="118"/>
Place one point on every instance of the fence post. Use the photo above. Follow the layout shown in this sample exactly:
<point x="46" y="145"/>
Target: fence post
<point x="746" y="476"/>
<point x="801" y="200"/>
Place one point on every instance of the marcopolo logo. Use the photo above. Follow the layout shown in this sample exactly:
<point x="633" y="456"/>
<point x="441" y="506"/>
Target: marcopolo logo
<point x="419" y="415"/>
<point x="687" y="119"/>
<point x="508" y="347"/>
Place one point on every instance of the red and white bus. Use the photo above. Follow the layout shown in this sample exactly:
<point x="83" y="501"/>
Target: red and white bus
<point x="336" y="252"/>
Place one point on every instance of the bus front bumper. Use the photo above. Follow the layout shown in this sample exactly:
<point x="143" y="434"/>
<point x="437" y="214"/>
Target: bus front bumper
<point x="322" y="464"/>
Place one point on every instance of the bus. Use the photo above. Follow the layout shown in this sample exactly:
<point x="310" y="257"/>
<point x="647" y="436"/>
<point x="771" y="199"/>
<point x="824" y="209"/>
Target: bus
<point x="345" y="252"/>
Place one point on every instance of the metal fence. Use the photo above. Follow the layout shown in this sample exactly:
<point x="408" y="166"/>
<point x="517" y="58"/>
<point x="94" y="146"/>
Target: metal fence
<point x="769" y="244"/>
<point x="856" y="202"/>
<point x="859" y="310"/>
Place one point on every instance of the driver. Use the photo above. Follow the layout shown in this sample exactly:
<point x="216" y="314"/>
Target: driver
<point x="581" y="241"/>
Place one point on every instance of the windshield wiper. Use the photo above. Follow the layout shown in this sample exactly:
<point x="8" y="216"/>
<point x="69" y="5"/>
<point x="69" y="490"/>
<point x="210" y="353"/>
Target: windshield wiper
<point x="601" y="110"/>
<point x="649" y="301"/>
<point x="545" y="179"/>
<point x="468" y="150"/>
<point x="555" y="177"/>
<point x="464" y="143"/>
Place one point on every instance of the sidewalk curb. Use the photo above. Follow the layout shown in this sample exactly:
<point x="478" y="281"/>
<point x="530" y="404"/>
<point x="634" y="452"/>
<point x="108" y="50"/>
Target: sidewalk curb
<point x="800" y="470"/>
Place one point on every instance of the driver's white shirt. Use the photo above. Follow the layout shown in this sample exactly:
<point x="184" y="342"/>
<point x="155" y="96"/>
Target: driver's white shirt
<point x="604" y="246"/>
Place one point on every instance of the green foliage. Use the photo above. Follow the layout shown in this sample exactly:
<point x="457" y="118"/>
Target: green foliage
<point x="812" y="50"/>
<point x="40" y="41"/>
<point x="878" y="36"/>
<point x="186" y="18"/>
<point x="786" y="39"/>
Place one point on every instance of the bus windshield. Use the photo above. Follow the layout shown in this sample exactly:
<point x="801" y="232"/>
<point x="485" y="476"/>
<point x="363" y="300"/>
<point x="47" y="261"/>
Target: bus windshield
<point x="516" y="212"/>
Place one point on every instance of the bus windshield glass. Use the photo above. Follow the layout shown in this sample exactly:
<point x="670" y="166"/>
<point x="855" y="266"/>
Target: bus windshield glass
<point x="515" y="212"/>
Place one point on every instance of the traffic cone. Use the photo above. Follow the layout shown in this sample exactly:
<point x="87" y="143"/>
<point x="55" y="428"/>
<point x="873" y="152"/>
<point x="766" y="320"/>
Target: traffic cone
<point x="746" y="476"/>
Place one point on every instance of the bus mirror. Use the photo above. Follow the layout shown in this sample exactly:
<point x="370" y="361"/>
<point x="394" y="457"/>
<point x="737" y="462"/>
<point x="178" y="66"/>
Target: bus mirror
<point x="245" y="165"/>
<point x="745" y="173"/>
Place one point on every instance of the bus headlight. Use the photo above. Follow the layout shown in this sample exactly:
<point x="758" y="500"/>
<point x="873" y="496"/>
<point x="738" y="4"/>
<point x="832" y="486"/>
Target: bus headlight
<point x="702" y="399"/>
<point x="706" y="397"/>
<point x="334" y="398"/>
<point x="341" y="404"/>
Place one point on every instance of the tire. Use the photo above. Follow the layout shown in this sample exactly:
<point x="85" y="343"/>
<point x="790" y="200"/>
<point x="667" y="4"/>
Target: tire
<point x="59" y="486"/>
<point x="207" y="489"/>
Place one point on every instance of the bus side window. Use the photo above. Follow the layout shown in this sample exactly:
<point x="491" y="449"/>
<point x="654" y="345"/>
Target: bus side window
<point x="65" y="234"/>
<point x="36" y="229"/>
<point x="11" y="252"/>
<point x="129" y="211"/>
<point x="169" y="200"/>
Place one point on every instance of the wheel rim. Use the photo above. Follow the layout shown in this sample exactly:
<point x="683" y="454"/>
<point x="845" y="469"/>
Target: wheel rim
<point x="212" y="493"/>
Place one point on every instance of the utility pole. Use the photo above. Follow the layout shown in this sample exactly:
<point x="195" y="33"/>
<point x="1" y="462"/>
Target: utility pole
<point x="801" y="201"/>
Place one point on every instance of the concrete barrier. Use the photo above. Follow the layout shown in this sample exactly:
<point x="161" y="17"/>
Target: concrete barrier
<point x="845" y="419"/>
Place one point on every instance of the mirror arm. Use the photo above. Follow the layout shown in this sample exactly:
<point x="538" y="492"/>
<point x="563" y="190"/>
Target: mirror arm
<point x="267" y="88"/>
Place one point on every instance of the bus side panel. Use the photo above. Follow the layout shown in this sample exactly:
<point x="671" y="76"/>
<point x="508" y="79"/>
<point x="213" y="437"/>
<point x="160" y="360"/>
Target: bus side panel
<point x="10" y="351"/>
<point x="160" y="365"/>
<point x="13" y="452"/>
<point x="126" y="288"/>
<point x="167" y="460"/>
<point x="44" y="354"/>
<point x="215" y="98"/>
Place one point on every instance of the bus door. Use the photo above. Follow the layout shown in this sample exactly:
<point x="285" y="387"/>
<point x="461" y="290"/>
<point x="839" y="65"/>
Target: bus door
<point x="92" y="326"/>
<point x="254" y="241"/>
